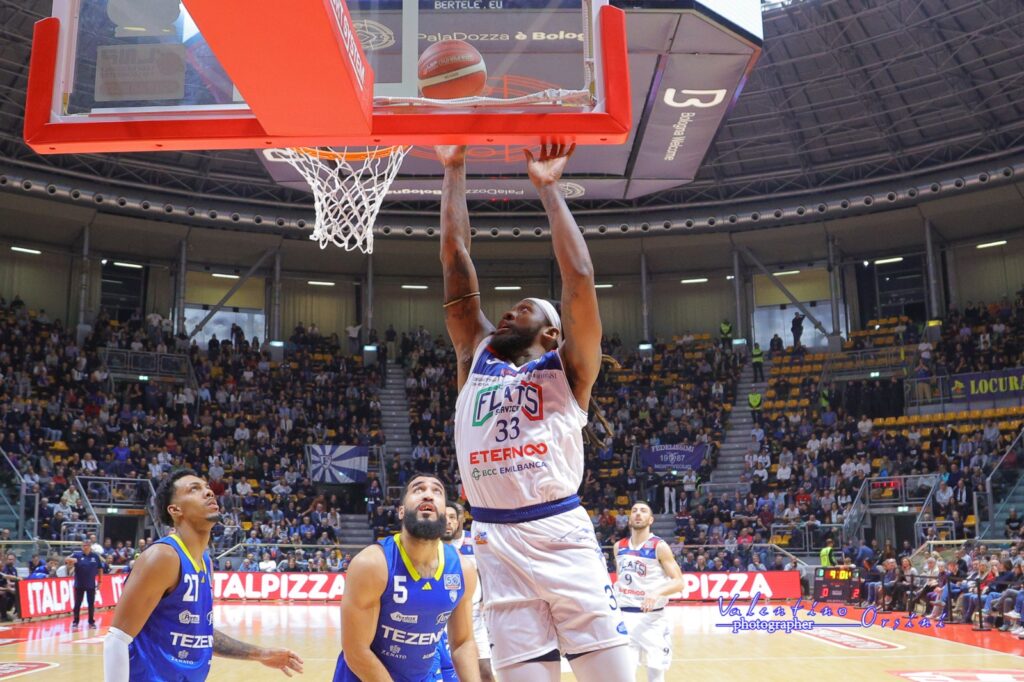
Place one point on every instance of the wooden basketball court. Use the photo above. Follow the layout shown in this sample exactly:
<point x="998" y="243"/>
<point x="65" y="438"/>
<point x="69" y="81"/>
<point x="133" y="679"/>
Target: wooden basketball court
<point x="705" y="648"/>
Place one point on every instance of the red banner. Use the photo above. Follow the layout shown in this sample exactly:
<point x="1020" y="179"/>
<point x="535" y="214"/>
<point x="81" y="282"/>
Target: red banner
<point x="711" y="586"/>
<point x="279" y="586"/>
<point x="52" y="596"/>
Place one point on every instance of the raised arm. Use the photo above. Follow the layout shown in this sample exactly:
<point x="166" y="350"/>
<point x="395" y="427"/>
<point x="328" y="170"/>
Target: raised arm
<point x="581" y="320"/>
<point x="466" y="323"/>
<point x="360" y="611"/>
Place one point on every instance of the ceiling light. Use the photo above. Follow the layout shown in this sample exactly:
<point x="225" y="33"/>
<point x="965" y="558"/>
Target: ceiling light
<point x="417" y="287"/>
<point x="221" y="275"/>
<point x="989" y="245"/>
<point x="315" y="283"/>
<point x="695" y="280"/>
<point x="21" y="249"/>
<point x="786" y="272"/>
<point x="508" y="288"/>
<point x="730" y="277"/>
<point x="133" y="266"/>
<point x="886" y="261"/>
<point x="603" y="286"/>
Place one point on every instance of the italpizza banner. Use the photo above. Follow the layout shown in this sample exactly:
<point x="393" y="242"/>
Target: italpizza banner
<point x="54" y="596"/>
<point x="711" y="586"/>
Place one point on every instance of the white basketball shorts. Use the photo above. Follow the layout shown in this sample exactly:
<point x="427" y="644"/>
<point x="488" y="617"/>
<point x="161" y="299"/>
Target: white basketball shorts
<point x="547" y="587"/>
<point x="650" y="638"/>
<point x="483" y="642"/>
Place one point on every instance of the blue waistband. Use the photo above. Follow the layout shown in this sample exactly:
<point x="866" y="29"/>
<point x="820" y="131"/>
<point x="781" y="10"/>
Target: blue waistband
<point x="637" y="609"/>
<point x="524" y="514"/>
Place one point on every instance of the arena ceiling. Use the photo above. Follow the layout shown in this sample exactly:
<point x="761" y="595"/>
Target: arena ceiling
<point x="848" y="94"/>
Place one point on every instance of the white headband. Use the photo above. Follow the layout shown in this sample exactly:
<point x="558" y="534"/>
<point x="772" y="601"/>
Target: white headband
<point x="549" y="311"/>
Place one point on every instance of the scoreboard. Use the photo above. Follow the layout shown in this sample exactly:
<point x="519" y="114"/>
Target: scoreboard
<point x="837" y="584"/>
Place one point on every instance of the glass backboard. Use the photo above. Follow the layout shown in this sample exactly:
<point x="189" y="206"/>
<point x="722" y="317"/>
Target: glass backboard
<point x="145" y="55"/>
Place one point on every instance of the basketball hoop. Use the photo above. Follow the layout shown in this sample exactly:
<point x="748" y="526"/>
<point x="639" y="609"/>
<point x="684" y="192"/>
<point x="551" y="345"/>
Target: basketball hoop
<point x="348" y="190"/>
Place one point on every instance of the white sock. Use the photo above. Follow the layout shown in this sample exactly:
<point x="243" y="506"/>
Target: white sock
<point x="604" y="665"/>
<point x="531" y="671"/>
<point x="655" y="675"/>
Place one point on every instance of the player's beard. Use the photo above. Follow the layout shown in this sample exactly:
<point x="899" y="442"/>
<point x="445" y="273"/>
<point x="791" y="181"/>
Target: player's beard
<point x="424" y="529"/>
<point x="215" y="518"/>
<point x="511" y="342"/>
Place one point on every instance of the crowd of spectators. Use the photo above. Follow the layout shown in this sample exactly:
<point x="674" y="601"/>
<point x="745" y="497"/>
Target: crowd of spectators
<point x="244" y="426"/>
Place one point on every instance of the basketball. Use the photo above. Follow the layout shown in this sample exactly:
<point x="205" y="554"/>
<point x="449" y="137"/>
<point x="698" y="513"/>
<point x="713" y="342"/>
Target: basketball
<point x="451" y="69"/>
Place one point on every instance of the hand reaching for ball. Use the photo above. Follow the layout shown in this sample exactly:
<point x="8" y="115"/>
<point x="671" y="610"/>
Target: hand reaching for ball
<point x="548" y="168"/>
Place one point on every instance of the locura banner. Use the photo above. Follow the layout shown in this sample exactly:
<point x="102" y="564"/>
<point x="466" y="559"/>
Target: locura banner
<point x="54" y="596"/>
<point x="673" y="457"/>
<point x="999" y="384"/>
<point x="711" y="586"/>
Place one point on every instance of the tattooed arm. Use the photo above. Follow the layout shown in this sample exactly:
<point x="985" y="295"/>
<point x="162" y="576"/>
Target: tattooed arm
<point x="229" y="647"/>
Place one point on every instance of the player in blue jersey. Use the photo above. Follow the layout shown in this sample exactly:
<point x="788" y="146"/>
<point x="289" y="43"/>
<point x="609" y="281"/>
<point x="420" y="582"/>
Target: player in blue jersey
<point x="402" y="593"/>
<point x="163" y="625"/>
<point x="460" y="539"/>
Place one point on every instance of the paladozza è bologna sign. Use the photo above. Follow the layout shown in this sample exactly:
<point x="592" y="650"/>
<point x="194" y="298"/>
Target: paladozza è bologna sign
<point x="55" y="596"/>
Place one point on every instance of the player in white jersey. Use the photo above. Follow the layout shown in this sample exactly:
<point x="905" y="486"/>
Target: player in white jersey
<point x="455" y="536"/>
<point x="519" y="442"/>
<point x="647" y="575"/>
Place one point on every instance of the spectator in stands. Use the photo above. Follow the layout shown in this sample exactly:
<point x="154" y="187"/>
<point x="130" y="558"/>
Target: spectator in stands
<point x="776" y="345"/>
<point x="757" y="362"/>
<point x="1012" y="528"/>
<point x="797" y="327"/>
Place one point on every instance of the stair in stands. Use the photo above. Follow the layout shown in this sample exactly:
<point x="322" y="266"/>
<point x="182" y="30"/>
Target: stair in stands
<point x="1014" y="500"/>
<point x="355" y="530"/>
<point x="736" y="440"/>
<point x="395" y="413"/>
<point x="664" y="527"/>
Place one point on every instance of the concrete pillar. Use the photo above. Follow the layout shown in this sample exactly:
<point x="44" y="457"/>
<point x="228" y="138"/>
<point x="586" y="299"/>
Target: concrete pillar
<point x="645" y="310"/>
<point x="934" y="307"/>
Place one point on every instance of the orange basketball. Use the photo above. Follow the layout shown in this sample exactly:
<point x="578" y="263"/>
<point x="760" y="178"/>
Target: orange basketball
<point x="451" y="69"/>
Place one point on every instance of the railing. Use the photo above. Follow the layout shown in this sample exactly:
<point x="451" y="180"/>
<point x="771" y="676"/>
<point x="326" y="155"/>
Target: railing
<point x="853" y="522"/>
<point x="127" y="493"/>
<point x="278" y="552"/>
<point x="1005" y="475"/>
<point x="20" y="511"/>
<point x="84" y="496"/>
<point x="926" y="528"/>
<point x="900" y="490"/>
<point x="806" y="537"/>
<point x="46" y="549"/>
<point x="761" y="547"/>
<point x="130" y="364"/>
<point x="76" y="531"/>
<point x="888" y="361"/>
<point x="706" y="490"/>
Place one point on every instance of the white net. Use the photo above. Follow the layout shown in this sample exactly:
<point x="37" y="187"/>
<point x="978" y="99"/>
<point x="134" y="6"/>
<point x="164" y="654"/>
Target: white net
<point x="348" y="190"/>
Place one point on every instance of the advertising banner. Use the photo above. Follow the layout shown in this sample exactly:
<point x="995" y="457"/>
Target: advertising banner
<point x="1004" y="383"/>
<point x="711" y="586"/>
<point x="53" y="596"/>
